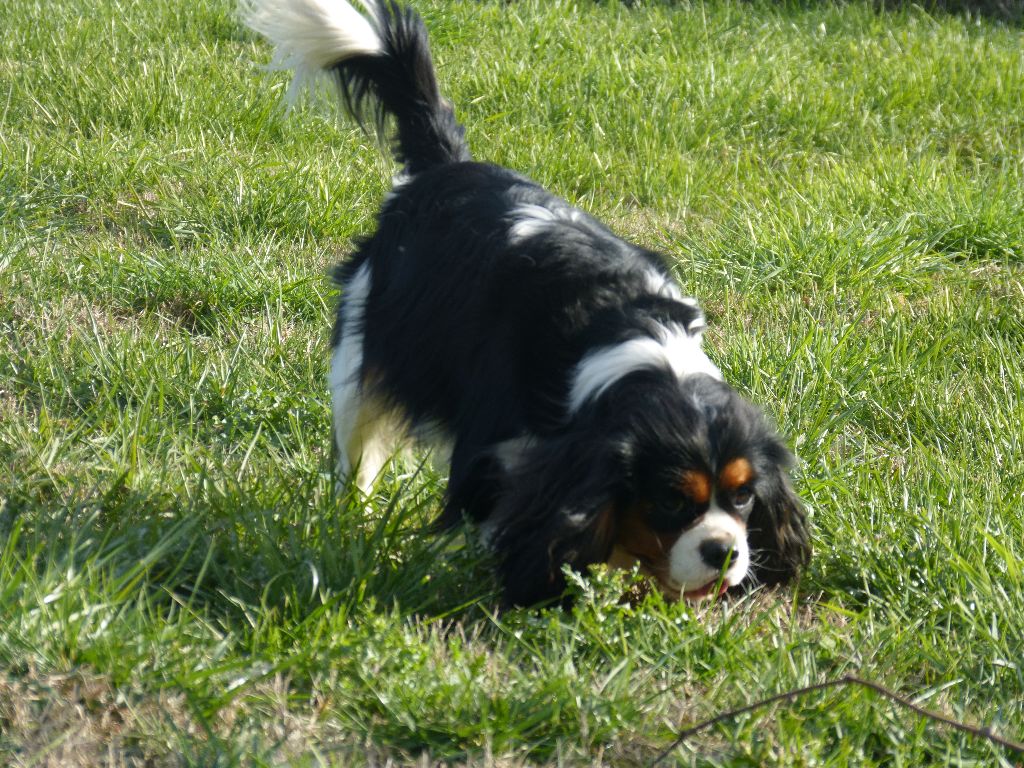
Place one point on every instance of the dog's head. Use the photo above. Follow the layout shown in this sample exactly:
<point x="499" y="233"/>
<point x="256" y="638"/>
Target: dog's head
<point x="683" y="477"/>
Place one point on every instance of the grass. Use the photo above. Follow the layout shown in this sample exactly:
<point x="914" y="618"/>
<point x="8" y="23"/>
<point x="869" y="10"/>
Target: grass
<point x="178" y="586"/>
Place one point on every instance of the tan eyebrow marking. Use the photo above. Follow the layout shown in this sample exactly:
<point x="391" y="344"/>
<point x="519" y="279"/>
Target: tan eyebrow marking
<point x="696" y="485"/>
<point x="734" y="474"/>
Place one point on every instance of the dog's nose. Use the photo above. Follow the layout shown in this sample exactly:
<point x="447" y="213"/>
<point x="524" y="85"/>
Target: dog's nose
<point x="714" y="552"/>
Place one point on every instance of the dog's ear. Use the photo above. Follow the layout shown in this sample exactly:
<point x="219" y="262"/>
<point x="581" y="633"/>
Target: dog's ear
<point x="557" y="507"/>
<point x="777" y="531"/>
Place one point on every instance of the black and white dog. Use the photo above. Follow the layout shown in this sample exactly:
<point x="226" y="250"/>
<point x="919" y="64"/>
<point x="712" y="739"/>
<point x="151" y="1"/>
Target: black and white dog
<point x="560" y="362"/>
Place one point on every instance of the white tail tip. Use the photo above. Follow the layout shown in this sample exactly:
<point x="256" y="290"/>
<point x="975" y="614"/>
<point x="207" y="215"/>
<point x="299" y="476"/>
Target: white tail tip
<point x="309" y="35"/>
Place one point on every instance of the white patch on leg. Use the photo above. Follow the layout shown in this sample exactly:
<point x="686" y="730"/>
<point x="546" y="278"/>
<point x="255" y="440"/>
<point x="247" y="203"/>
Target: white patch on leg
<point x="672" y="347"/>
<point x="510" y="454"/>
<point x="366" y="431"/>
<point x="380" y="433"/>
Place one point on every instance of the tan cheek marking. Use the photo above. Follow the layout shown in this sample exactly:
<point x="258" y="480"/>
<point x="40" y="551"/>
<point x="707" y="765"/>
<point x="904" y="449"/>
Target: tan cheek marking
<point x="604" y="529"/>
<point x="696" y="485"/>
<point x="636" y="542"/>
<point x="734" y="474"/>
<point x="621" y="558"/>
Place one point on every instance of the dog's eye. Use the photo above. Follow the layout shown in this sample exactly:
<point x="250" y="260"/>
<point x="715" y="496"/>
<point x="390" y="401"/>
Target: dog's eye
<point x="743" y="498"/>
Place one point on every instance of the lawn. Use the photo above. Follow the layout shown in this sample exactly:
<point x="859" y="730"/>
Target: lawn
<point x="840" y="187"/>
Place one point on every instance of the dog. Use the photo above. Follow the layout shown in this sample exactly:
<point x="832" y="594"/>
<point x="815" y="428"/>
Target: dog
<point x="560" y="363"/>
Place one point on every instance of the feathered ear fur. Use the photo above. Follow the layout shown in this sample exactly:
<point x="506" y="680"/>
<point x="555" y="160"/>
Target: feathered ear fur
<point x="557" y="506"/>
<point x="777" y="532"/>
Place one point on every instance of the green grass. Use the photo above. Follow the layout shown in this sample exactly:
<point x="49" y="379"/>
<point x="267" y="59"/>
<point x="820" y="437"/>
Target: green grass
<point x="840" y="187"/>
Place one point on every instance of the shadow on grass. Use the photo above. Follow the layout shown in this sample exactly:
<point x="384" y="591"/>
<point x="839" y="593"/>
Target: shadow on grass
<point x="283" y="549"/>
<point x="1008" y="11"/>
<point x="1002" y="10"/>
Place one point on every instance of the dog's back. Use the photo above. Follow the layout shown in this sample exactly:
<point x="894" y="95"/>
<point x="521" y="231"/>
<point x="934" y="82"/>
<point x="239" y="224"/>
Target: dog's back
<point x="473" y="267"/>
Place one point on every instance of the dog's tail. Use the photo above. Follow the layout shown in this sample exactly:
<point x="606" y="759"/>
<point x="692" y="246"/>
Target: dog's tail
<point x="381" y="63"/>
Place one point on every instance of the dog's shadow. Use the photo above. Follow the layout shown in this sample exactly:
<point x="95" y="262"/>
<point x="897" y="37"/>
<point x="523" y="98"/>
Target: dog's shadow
<point x="337" y="551"/>
<point x="232" y="550"/>
<point x="1009" y="11"/>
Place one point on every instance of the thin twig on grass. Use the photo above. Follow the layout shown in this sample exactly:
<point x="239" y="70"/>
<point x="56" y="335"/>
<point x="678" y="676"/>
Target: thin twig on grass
<point x="980" y="731"/>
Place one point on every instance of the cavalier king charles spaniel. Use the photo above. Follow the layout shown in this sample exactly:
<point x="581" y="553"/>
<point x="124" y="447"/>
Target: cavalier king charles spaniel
<point x="560" y="363"/>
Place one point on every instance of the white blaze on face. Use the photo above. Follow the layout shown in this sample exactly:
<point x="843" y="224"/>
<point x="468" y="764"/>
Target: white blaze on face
<point x="687" y="567"/>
